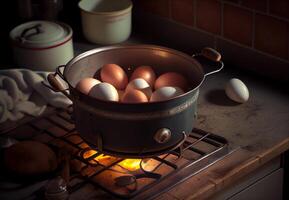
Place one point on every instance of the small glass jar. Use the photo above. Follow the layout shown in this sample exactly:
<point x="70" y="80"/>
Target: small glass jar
<point x="56" y="189"/>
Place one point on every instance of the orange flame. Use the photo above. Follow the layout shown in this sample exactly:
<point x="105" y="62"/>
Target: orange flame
<point x="130" y="164"/>
<point x="89" y="153"/>
<point x="102" y="157"/>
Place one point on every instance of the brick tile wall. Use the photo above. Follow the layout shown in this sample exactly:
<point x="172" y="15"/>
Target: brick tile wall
<point x="159" y="7"/>
<point x="238" y="24"/>
<point x="208" y="15"/>
<point x="261" y="25"/>
<point x="183" y="11"/>
<point x="271" y="35"/>
<point x="260" y="5"/>
<point x="279" y="8"/>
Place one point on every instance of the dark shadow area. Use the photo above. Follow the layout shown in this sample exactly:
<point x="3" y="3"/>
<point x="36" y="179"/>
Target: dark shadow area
<point x="219" y="97"/>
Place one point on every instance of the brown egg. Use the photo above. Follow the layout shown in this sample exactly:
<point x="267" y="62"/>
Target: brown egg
<point x="146" y="73"/>
<point x="172" y="79"/>
<point x="85" y="85"/>
<point x="115" y="75"/>
<point x="120" y="93"/>
<point x="141" y="85"/>
<point x="134" y="96"/>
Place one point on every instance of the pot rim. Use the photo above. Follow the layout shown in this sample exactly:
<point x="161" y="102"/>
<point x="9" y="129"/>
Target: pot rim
<point x="44" y="48"/>
<point x="152" y="47"/>
<point x="140" y="115"/>
<point x="107" y="13"/>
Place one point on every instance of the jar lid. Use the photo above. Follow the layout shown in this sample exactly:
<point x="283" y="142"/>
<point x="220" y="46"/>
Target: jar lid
<point x="40" y="34"/>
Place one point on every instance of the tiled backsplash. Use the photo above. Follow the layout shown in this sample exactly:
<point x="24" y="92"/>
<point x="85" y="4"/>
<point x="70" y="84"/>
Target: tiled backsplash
<point x="257" y="26"/>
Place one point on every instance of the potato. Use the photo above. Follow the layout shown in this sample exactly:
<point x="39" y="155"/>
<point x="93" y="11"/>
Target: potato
<point x="29" y="158"/>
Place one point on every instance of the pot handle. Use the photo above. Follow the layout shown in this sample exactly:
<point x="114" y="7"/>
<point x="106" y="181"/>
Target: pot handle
<point x="210" y="59"/>
<point x="24" y="34"/>
<point x="55" y="85"/>
<point x="59" y="72"/>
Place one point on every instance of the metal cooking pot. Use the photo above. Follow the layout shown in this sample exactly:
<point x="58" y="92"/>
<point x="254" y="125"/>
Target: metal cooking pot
<point x="136" y="130"/>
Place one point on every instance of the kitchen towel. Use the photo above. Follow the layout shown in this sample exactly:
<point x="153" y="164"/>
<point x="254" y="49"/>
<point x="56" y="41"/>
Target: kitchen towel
<point x="22" y="92"/>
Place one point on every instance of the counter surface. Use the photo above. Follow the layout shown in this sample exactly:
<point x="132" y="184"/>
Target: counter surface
<point x="260" y="127"/>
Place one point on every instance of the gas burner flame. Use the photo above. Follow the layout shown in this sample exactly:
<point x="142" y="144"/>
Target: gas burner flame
<point x="130" y="164"/>
<point x="99" y="159"/>
<point x="89" y="153"/>
<point x="103" y="157"/>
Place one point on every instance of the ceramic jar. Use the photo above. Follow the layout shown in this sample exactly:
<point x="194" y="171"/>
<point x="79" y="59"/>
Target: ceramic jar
<point x="106" y="21"/>
<point x="42" y="45"/>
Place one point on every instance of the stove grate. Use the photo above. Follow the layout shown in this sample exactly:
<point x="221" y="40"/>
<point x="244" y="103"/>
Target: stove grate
<point x="119" y="177"/>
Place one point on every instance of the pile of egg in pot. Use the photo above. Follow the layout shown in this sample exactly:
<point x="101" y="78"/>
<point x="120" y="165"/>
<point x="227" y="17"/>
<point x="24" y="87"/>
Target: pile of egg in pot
<point x="142" y="86"/>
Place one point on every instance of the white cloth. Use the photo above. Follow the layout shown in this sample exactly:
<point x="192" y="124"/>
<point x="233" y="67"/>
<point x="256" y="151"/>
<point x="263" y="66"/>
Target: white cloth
<point x="22" y="92"/>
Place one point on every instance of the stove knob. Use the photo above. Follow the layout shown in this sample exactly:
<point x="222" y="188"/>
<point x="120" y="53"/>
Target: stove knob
<point x="162" y="135"/>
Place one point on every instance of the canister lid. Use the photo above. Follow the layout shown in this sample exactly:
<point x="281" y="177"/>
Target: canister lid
<point x="40" y="34"/>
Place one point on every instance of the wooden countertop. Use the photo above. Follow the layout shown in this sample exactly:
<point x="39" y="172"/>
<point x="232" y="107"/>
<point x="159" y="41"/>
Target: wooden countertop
<point x="260" y="127"/>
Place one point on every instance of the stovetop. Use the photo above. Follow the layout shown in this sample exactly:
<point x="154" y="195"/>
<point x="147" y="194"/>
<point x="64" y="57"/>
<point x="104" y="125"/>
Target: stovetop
<point x="119" y="177"/>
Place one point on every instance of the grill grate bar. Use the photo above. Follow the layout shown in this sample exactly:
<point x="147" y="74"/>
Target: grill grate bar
<point x="196" y="142"/>
<point x="162" y="160"/>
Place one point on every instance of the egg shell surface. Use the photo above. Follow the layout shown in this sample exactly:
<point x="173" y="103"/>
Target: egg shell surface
<point x="120" y="94"/>
<point x="134" y="96"/>
<point x="115" y="75"/>
<point x="140" y="84"/>
<point x="172" y="79"/>
<point x="145" y="72"/>
<point x="85" y="85"/>
<point x="104" y="91"/>
<point x="237" y="91"/>
<point x="165" y="93"/>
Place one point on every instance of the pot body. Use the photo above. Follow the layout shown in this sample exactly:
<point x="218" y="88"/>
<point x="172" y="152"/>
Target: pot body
<point x="134" y="130"/>
<point x="43" y="59"/>
<point x="134" y="133"/>
<point x="103" y="22"/>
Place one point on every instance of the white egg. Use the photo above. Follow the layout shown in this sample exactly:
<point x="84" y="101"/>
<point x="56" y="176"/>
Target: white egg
<point x="165" y="93"/>
<point x="140" y="84"/>
<point x="104" y="91"/>
<point x="237" y="91"/>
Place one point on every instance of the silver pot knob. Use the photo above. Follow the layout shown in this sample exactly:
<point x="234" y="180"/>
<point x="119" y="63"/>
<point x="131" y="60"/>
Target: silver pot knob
<point x="162" y="135"/>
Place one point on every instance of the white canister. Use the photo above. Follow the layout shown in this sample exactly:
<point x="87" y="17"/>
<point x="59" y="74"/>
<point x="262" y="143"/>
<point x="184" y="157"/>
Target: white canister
<point x="106" y="21"/>
<point x="42" y="45"/>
